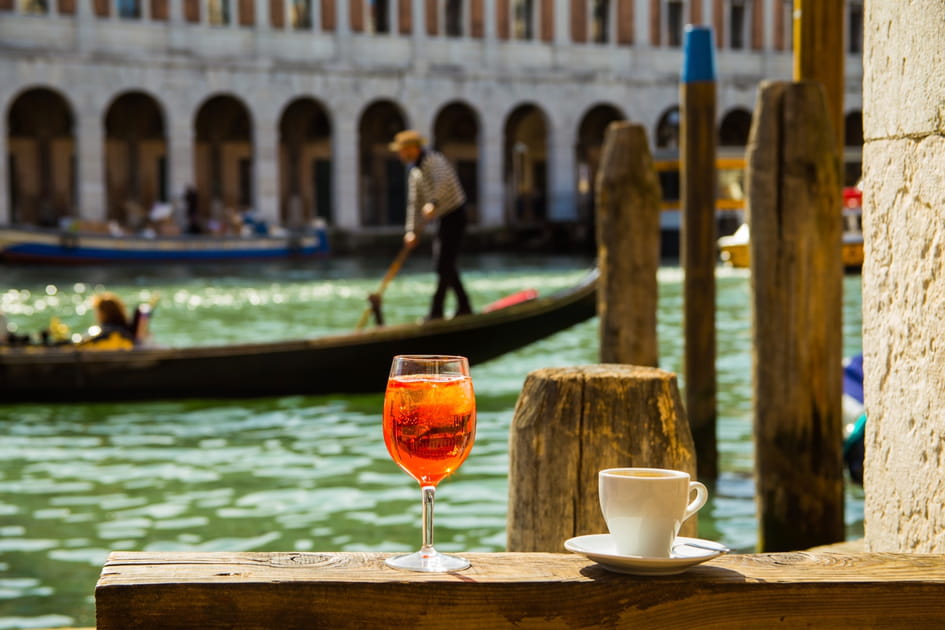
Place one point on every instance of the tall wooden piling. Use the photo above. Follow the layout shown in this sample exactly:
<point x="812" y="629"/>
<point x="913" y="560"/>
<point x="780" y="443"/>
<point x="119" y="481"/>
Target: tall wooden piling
<point x="569" y="424"/>
<point x="628" y="247"/>
<point x="796" y="279"/>
<point x="698" y="241"/>
<point x="818" y="52"/>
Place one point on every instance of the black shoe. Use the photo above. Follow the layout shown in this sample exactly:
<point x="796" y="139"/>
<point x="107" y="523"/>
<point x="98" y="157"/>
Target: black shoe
<point x="463" y="312"/>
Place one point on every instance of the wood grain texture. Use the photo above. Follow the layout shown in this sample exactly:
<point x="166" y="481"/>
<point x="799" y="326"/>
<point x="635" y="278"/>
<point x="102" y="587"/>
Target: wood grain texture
<point x="797" y="288"/>
<point x="819" y="54"/>
<point x="570" y="423"/>
<point x="628" y="247"/>
<point x="699" y="254"/>
<point x="289" y="591"/>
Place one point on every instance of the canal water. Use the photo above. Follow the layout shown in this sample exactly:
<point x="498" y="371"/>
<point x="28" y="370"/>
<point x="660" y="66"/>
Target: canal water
<point x="300" y="473"/>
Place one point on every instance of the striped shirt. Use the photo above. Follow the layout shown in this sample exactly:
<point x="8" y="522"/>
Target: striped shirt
<point x="432" y="180"/>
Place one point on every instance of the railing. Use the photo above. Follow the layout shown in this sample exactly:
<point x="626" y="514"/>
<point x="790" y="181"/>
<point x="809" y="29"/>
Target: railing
<point x="516" y="590"/>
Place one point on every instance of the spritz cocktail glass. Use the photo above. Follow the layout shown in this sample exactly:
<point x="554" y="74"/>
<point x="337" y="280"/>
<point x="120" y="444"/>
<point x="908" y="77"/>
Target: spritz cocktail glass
<point x="429" y="429"/>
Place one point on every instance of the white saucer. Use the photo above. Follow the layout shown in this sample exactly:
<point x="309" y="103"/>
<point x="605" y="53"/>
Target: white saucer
<point x="687" y="552"/>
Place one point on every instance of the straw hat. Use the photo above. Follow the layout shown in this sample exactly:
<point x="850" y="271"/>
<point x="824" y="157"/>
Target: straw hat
<point x="406" y="138"/>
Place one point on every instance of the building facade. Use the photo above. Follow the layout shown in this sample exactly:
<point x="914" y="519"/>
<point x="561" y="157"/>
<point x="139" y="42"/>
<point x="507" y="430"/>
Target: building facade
<point x="286" y="106"/>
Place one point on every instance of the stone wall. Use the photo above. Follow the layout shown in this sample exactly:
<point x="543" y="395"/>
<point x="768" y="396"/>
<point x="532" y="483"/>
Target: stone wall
<point x="903" y="283"/>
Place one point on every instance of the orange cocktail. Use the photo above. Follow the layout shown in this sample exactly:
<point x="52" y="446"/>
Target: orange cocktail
<point x="429" y="424"/>
<point x="429" y="429"/>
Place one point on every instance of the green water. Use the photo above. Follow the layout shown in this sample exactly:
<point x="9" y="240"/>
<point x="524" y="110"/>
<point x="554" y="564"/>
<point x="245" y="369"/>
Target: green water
<point x="298" y="473"/>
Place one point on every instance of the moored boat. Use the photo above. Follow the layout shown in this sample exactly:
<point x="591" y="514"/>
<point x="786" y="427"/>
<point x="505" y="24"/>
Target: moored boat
<point x="346" y="363"/>
<point x="734" y="249"/>
<point x="52" y="246"/>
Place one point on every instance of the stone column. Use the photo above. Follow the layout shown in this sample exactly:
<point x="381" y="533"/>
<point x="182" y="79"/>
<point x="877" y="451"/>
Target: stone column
<point x="180" y="149"/>
<point x="344" y="173"/>
<point x="489" y="18"/>
<point x="90" y="162"/>
<point x="490" y="33"/>
<point x="177" y="27"/>
<point x="418" y="36"/>
<point x="266" y="166"/>
<point x="85" y="24"/>
<point x="641" y="24"/>
<point x="903" y="284"/>
<point x="342" y="30"/>
<point x="393" y="18"/>
<point x="561" y="167"/>
<point x="262" y="28"/>
<point x="562" y="22"/>
<point x="768" y="26"/>
<point x="491" y="186"/>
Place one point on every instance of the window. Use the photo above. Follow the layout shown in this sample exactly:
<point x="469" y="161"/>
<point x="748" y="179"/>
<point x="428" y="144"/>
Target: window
<point x="454" y="18"/>
<point x="856" y="29"/>
<point x="218" y="12"/>
<point x="737" y="21"/>
<point x="524" y="13"/>
<point x="600" y="21"/>
<point x="34" y="7"/>
<point x="380" y="16"/>
<point x="128" y="9"/>
<point x="301" y="14"/>
<point x="674" y="23"/>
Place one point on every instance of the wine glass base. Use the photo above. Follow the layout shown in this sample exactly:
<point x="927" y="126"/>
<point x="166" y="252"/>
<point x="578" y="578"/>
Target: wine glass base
<point x="428" y="561"/>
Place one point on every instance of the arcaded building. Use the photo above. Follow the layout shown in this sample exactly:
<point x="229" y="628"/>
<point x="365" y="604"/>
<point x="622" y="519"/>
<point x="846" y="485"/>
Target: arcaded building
<point x="286" y="107"/>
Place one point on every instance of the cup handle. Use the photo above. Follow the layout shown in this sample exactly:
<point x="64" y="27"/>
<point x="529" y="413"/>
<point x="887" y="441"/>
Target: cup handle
<point x="702" y="494"/>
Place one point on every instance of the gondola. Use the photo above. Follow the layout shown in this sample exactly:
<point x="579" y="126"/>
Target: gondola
<point x="347" y="363"/>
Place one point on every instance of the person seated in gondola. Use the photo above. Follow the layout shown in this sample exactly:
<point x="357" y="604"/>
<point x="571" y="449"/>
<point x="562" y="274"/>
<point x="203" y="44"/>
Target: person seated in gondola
<point x="114" y="330"/>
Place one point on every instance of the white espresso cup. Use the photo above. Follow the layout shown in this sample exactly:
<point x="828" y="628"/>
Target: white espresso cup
<point x="645" y="507"/>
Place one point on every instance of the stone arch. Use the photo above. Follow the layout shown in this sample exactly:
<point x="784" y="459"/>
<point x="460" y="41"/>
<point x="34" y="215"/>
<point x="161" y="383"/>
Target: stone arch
<point x="305" y="163"/>
<point x="734" y="128"/>
<point x="525" y="166"/>
<point x="382" y="183"/>
<point x="41" y="152"/>
<point x="590" y="141"/>
<point x="667" y="129"/>
<point x="135" y="157"/>
<point x="223" y="161"/>
<point x="456" y="132"/>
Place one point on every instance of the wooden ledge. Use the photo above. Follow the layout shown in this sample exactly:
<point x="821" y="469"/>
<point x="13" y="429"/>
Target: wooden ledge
<point x="516" y="590"/>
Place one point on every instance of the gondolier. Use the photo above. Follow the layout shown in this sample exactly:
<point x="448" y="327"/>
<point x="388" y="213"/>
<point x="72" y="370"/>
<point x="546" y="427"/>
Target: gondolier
<point x="434" y="192"/>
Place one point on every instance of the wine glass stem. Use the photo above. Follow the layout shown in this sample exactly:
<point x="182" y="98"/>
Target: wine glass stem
<point x="427" y="492"/>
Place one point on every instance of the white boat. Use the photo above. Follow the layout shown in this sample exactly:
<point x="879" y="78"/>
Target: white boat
<point x="734" y="249"/>
<point x="55" y="246"/>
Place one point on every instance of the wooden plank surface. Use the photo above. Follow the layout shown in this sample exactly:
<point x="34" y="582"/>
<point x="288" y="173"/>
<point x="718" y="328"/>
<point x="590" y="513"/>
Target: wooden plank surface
<point x="517" y="590"/>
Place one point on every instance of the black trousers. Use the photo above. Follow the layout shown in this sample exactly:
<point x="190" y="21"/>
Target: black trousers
<point x="449" y="237"/>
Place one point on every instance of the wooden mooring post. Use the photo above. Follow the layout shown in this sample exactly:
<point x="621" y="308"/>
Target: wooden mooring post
<point x="698" y="245"/>
<point x="628" y="247"/>
<point x="819" y="54"/>
<point x="570" y="423"/>
<point x="797" y="287"/>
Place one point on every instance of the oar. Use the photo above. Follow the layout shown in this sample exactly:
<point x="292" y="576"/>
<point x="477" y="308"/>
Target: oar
<point x="375" y="298"/>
